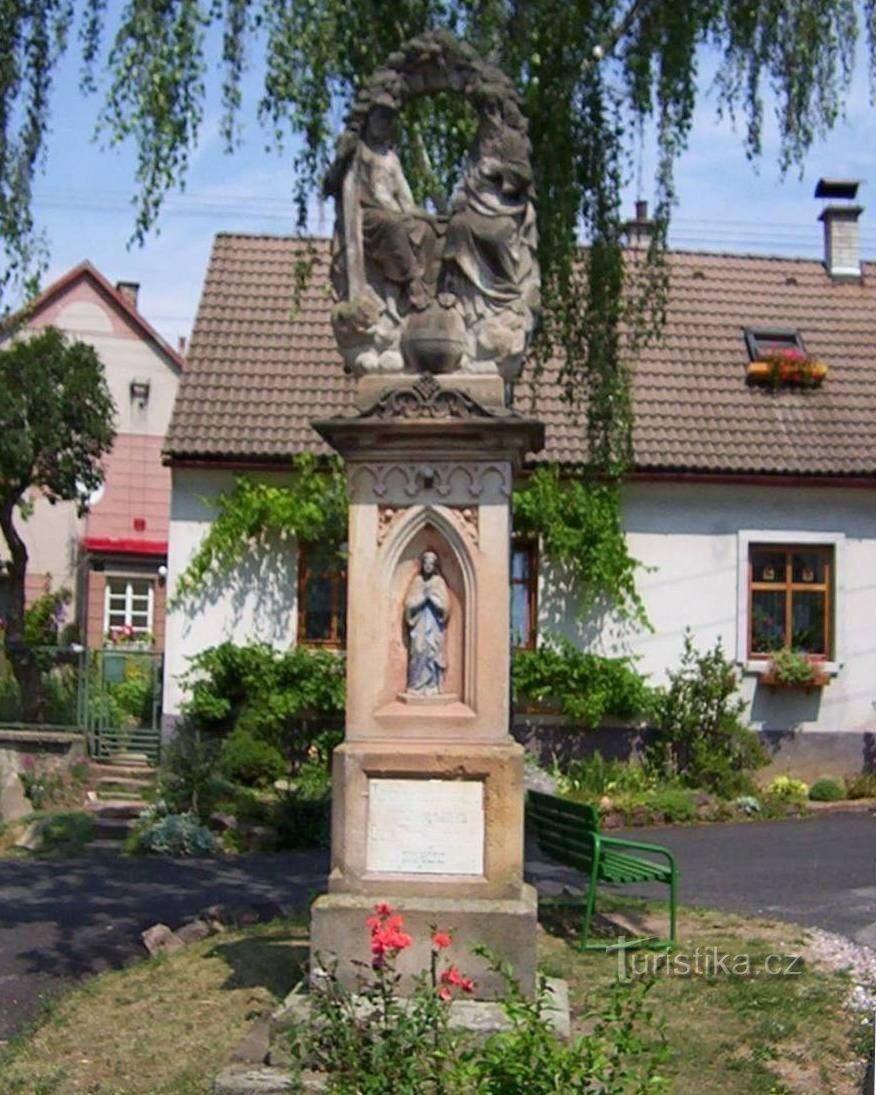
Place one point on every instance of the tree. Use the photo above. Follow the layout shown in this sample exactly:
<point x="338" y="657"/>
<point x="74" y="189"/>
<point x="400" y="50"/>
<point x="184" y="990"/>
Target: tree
<point x="592" y="73"/>
<point x="56" y="416"/>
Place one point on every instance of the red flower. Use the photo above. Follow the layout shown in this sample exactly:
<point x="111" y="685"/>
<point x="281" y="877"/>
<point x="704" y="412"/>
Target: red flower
<point x="445" y="994"/>
<point x="387" y="936"/>
<point x="452" y="976"/>
<point x="383" y="909"/>
<point x="440" y="940"/>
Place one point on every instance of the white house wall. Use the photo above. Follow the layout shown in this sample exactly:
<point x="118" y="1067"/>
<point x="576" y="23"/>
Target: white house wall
<point x="688" y="534"/>
<point x="258" y="604"/>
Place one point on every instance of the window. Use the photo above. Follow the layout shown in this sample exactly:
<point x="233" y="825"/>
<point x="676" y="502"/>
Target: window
<point x="791" y="601"/>
<point x="322" y="596"/>
<point x="763" y="341"/>
<point x="524" y="593"/>
<point x="128" y="602"/>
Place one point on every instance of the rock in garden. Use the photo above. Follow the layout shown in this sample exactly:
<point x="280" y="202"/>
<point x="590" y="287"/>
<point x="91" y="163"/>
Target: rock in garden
<point x="160" y="938"/>
<point x="194" y="931"/>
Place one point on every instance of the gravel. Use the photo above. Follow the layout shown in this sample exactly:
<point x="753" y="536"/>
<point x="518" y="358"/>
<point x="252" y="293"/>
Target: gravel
<point x="838" y="953"/>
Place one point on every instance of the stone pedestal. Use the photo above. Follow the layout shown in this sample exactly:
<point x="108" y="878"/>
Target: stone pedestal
<point x="428" y="796"/>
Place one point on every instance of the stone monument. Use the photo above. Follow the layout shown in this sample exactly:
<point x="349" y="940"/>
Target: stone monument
<point x="433" y="315"/>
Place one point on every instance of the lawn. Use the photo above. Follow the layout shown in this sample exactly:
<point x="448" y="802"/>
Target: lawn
<point x="166" y="1026"/>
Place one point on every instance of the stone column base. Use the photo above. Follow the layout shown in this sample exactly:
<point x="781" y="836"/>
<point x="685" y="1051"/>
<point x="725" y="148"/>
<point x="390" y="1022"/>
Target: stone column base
<point x="506" y="926"/>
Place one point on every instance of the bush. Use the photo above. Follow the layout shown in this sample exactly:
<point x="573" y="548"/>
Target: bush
<point x="699" y="735"/>
<point x="287" y="699"/>
<point x="675" y="804"/>
<point x="827" y="790"/>
<point x="246" y="759"/>
<point x="177" y="835"/>
<point x="788" y="789"/>
<point x="590" y="778"/>
<point x="189" y="780"/>
<point x="585" y="687"/>
<point x="862" y="785"/>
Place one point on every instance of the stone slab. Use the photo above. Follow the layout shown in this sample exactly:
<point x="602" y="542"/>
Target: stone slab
<point x="506" y="927"/>
<point x="425" y="826"/>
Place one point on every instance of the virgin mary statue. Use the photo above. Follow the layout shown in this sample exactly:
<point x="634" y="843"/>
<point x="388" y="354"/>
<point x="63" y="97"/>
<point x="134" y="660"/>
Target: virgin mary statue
<point x="427" y="608"/>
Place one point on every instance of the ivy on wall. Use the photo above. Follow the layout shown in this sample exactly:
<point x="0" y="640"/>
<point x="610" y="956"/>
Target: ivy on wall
<point x="311" y="507"/>
<point x="577" y="522"/>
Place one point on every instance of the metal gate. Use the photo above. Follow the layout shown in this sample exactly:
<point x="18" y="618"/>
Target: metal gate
<point x="123" y="703"/>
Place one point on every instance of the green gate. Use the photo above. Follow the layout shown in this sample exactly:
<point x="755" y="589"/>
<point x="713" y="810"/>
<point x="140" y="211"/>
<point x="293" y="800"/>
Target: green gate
<point x="123" y="703"/>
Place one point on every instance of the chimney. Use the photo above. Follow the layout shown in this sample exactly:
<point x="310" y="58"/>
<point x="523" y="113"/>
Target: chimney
<point x="129" y="290"/>
<point x="639" y="230"/>
<point x="842" y="248"/>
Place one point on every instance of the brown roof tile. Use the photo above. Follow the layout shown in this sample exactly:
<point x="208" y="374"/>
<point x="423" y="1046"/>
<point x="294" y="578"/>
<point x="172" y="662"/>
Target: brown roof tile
<point x="258" y="373"/>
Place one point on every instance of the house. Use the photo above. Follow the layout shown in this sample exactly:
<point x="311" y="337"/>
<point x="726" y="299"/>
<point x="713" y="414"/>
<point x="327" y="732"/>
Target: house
<point x="114" y="558"/>
<point x="753" y="508"/>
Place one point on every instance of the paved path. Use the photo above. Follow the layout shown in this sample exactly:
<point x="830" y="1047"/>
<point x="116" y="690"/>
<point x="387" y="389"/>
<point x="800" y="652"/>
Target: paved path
<point x="63" y="919"/>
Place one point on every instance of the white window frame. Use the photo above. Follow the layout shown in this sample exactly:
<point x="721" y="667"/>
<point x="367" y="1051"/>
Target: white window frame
<point x="129" y="579"/>
<point x="790" y="537"/>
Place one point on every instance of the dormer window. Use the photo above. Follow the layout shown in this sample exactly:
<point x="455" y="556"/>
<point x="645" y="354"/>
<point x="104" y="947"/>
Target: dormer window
<point x="764" y="342"/>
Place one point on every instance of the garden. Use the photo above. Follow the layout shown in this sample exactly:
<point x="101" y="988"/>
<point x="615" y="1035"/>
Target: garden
<point x="742" y="1006"/>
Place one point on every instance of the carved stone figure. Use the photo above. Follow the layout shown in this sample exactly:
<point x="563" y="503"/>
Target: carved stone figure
<point x="427" y="609"/>
<point x="423" y="293"/>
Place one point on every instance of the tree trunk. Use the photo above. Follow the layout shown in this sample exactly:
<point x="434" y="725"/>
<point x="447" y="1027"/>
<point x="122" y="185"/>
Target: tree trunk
<point x="21" y="659"/>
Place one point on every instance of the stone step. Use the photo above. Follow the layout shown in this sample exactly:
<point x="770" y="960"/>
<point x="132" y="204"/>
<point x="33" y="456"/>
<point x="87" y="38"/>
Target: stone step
<point x="116" y="808"/>
<point x="127" y="783"/>
<point x="119" y="794"/>
<point x="104" y="846"/>
<point x="113" y="828"/>
<point x="131" y="760"/>
<point x="104" y="770"/>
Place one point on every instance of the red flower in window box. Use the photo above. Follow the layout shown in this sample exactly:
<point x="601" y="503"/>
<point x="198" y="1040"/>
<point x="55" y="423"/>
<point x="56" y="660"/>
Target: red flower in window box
<point x="790" y="366"/>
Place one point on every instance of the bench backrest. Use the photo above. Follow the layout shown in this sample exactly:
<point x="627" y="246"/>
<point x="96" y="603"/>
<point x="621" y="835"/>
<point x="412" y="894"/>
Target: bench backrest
<point x="563" y="827"/>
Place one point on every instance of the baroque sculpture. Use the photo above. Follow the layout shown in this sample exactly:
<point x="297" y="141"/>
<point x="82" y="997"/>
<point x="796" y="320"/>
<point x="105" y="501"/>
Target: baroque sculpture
<point x="422" y="292"/>
<point x="426" y="611"/>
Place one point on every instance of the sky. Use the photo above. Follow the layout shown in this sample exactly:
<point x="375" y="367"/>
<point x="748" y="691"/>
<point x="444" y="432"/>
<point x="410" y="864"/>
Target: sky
<point x="83" y="197"/>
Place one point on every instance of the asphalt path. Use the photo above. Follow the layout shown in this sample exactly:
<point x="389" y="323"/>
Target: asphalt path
<point x="61" y="920"/>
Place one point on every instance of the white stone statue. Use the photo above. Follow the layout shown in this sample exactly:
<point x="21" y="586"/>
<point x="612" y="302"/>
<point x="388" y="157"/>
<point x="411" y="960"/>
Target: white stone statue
<point x="417" y="292"/>
<point x="427" y="610"/>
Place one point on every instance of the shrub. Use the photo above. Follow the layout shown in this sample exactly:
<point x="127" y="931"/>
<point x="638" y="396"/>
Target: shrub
<point x="788" y="789"/>
<point x="699" y="735"/>
<point x="593" y="777"/>
<point x="189" y="779"/>
<point x="248" y="760"/>
<point x="862" y="785"/>
<point x="675" y="804"/>
<point x="285" y="698"/>
<point x="827" y="789"/>
<point x="585" y="687"/>
<point x="177" y="835"/>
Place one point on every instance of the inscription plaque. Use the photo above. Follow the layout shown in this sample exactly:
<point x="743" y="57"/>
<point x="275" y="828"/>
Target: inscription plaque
<point x="425" y="826"/>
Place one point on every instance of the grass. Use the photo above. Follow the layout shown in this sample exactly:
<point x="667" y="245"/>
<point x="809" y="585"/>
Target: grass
<point x="748" y="1032"/>
<point x="63" y="833"/>
<point x="168" y="1026"/>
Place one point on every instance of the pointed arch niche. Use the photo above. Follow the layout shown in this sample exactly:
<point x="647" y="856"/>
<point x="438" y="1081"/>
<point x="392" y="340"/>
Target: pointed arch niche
<point x="433" y="528"/>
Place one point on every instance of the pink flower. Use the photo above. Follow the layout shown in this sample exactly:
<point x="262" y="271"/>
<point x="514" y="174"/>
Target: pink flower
<point x="445" y="994"/>
<point x="452" y="976"/>
<point x="383" y="909"/>
<point x="28" y="761"/>
<point x="440" y="940"/>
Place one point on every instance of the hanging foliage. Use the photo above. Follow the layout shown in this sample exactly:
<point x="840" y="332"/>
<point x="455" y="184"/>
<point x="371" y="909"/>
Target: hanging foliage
<point x="310" y="507"/>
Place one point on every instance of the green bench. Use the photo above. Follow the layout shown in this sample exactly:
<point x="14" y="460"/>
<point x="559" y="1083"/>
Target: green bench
<point x="569" y="833"/>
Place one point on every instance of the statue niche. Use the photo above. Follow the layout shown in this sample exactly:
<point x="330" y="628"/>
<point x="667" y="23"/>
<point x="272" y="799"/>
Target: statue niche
<point x="426" y="656"/>
<point x="418" y="292"/>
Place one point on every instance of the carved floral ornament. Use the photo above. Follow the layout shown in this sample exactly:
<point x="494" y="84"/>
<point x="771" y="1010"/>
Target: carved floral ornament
<point x="465" y="517"/>
<point x="421" y="292"/>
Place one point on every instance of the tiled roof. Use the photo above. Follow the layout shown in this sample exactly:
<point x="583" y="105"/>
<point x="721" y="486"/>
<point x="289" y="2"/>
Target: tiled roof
<point x="258" y="372"/>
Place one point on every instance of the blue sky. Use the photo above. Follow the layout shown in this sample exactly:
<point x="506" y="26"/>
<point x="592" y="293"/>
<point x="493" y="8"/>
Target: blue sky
<point x="83" y="197"/>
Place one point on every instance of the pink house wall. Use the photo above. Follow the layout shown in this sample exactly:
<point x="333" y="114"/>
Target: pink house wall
<point x="137" y="489"/>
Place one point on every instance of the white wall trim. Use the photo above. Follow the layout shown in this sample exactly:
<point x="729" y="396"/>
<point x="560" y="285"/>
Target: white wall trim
<point x="747" y="537"/>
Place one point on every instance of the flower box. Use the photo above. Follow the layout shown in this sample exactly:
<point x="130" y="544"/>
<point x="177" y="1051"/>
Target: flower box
<point x="787" y="367"/>
<point x="819" y="679"/>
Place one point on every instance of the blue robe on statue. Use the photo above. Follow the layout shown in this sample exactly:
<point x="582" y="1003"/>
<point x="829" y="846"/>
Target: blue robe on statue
<point x="426" y="610"/>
